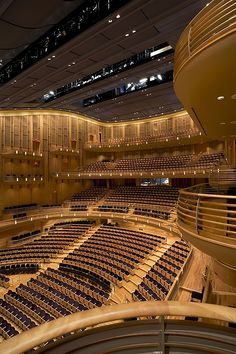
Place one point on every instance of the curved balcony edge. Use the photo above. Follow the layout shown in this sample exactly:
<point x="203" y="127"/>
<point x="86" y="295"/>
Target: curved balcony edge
<point x="222" y="251"/>
<point x="103" y="315"/>
<point x="63" y="214"/>
<point x="225" y="272"/>
<point x="210" y="25"/>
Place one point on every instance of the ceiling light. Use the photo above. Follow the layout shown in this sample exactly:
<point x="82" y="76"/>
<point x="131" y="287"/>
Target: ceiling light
<point x="233" y="96"/>
<point x="220" y="98"/>
<point x="118" y="16"/>
<point x="110" y="21"/>
<point x="143" y="80"/>
<point x="127" y="35"/>
<point x="222" y="123"/>
<point x="53" y="56"/>
<point x="134" y="31"/>
<point x="158" y="51"/>
<point x="233" y="122"/>
<point x="49" y="59"/>
<point x="159" y="76"/>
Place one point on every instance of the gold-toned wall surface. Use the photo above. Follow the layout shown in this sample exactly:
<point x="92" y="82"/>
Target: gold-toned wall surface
<point x="35" y="144"/>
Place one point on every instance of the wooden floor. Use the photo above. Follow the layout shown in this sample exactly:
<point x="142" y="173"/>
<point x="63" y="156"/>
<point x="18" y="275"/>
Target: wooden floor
<point x="194" y="275"/>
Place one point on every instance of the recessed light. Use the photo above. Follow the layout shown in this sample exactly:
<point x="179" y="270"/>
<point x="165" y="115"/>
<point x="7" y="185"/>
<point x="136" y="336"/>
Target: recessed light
<point x="233" y="96"/>
<point x="220" y="98"/>
<point x="118" y="16"/>
<point x="222" y="123"/>
<point x="233" y="122"/>
<point x="134" y="31"/>
<point x="127" y="35"/>
<point x="110" y="21"/>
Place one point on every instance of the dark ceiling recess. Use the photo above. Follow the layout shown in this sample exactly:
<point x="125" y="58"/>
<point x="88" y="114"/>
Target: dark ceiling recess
<point x="91" y="56"/>
<point x="84" y="17"/>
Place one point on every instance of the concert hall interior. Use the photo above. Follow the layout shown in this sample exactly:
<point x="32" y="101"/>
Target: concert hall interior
<point x="118" y="176"/>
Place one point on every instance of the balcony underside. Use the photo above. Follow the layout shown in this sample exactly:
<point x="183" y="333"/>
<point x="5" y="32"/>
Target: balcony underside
<point x="222" y="248"/>
<point x="206" y="75"/>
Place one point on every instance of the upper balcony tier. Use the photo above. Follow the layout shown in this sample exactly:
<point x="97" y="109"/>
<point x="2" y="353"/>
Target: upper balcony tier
<point x="204" y="72"/>
<point x="185" y="165"/>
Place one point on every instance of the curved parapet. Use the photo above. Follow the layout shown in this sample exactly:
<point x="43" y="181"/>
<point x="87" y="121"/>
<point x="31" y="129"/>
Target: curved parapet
<point x="204" y="71"/>
<point x="207" y="218"/>
<point x="135" y="336"/>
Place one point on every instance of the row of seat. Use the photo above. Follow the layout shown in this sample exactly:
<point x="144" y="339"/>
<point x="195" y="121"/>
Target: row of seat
<point x="90" y="195"/>
<point x="113" y="252"/>
<point x="147" y="139"/>
<point x="6" y="329"/>
<point x="4" y="281"/>
<point x="16" y="316"/>
<point x="46" y="247"/>
<point x="160" y="163"/>
<point x="152" y="213"/>
<point x="154" y="195"/>
<point x="113" y="208"/>
<point x="85" y="285"/>
<point x="159" y="279"/>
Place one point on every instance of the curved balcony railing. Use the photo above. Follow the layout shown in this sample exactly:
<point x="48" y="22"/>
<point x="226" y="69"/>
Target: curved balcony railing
<point x="159" y="329"/>
<point x="107" y="314"/>
<point x="165" y="137"/>
<point x="207" y="218"/>
<point x="223" y="177"/>
<point x="215" y="21"/>
<point x="190" y="171"/>
<point x="62" y="213"/>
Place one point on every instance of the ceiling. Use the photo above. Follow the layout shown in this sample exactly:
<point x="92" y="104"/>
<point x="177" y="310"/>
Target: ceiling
<point x="155" y="22"/>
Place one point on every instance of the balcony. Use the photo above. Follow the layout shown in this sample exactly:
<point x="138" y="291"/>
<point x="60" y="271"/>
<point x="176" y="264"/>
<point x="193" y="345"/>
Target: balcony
<point x="136" y="335"/>
<point x="204" y="71"/>
<point x="206" y="216"/>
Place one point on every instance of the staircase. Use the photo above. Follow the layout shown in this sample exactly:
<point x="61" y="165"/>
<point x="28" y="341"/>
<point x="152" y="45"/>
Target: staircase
<point x="123" y="292"/>
<point x="54" y="263"/>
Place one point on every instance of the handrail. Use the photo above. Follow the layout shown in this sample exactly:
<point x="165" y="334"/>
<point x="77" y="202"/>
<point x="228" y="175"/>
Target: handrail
<point x="65" y="213"/>
<point x="208" y="221"/>
<point x="143" y="140"/>
<point x="50" y="330"/>
<point x="192" y="191"/>
<point x="215" y="21"/>
<point x="188" y="170"/>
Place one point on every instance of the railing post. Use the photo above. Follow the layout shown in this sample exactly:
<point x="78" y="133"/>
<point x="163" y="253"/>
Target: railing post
<point x="189" y="40"/>
<point x="197" y="215"/>
<point x="162" y="341"/>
